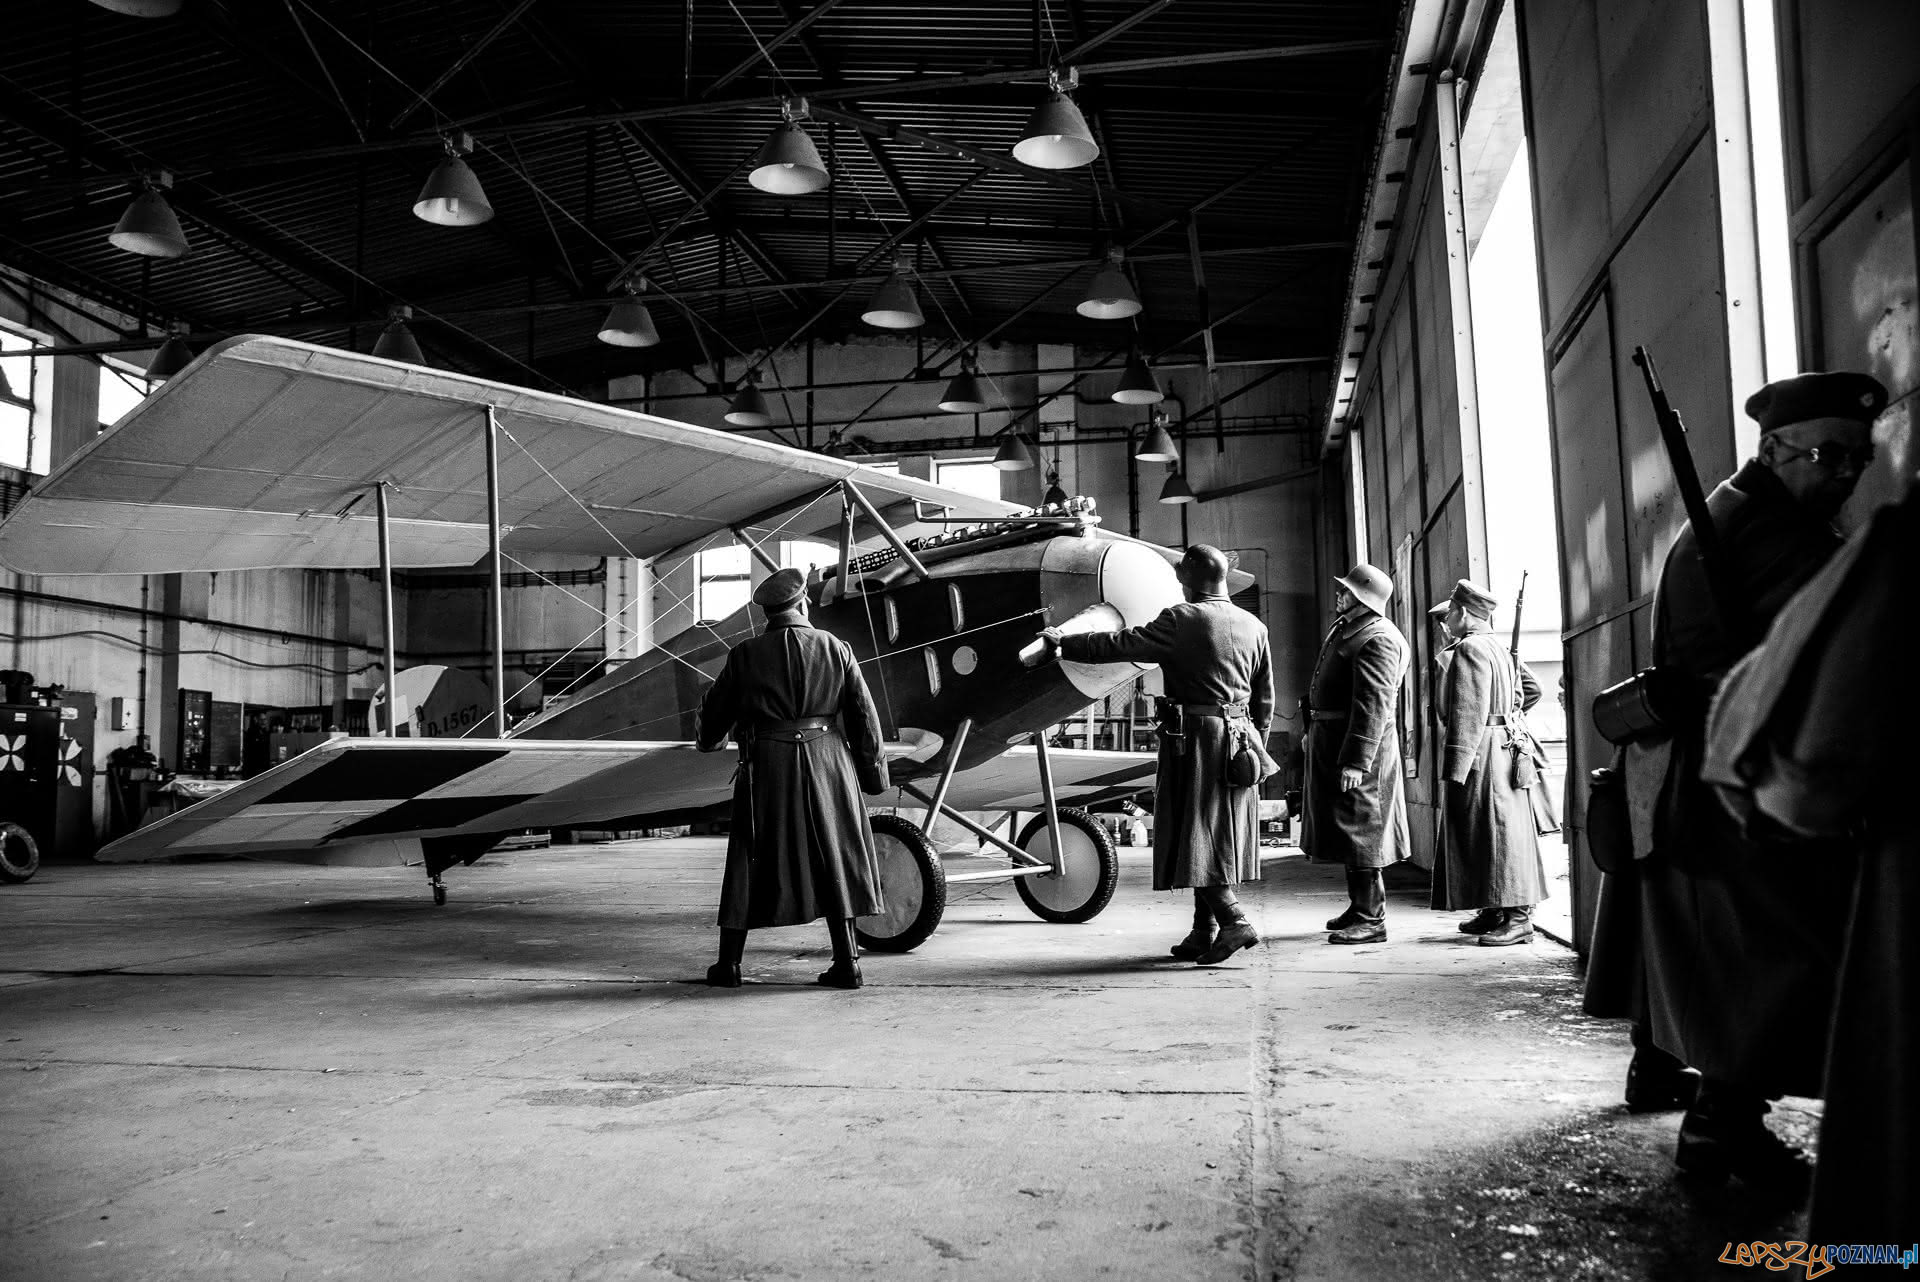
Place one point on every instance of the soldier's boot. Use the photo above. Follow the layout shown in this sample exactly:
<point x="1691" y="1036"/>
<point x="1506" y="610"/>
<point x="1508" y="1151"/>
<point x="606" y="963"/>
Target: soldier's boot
<point x="1656" y="1081"/>
<point x="1516" y="927"/>
<point x="1200" y="938"/>
<point x="1482" y="922"/>
<point x="845" y="971"/>
<point x="1725" y="1135"/>
<point x="1236" y="932"/>
<point x="1366" y="915"/>
<point x="725" y="973"/>
<point x="1344" y="920"/>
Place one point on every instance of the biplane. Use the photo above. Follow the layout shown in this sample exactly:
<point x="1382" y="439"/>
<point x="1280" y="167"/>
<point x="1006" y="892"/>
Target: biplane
<point x="270" y="453"/>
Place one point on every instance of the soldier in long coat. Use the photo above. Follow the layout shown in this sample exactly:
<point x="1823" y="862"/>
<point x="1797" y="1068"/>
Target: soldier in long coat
<point x="1354" y="802"/>
<point x="1812" y="735"/>
<point x="1219" y="674"/>
<point x="799" y="847"/>
<point x="1723" y="949"/>
<point x="1489" y="849"/>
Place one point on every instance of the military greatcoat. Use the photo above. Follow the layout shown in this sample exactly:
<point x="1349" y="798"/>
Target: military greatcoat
<point x="1728" y="947"/>
<point x="1213" y="654"/>
<point x="1814" y="733"/>
<point x="1489" y="850"/>
<point x="799" y="847"/>
<point x="1354" y="705"/>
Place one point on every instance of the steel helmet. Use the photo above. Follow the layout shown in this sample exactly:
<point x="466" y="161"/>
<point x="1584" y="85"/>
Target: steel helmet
<point x="1371" y="587"/>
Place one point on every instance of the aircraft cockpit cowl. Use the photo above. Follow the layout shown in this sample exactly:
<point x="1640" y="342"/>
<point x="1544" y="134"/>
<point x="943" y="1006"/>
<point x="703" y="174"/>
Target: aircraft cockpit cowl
<point x="1095" y="585"/>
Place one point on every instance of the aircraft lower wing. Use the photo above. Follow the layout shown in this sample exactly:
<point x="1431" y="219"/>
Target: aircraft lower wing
<point x="365" y="801"/>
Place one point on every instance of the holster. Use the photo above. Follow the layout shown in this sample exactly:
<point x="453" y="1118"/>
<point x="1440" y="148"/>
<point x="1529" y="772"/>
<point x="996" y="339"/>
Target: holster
<point x="1609" y="829"/>
<point x="1171" y="722"/>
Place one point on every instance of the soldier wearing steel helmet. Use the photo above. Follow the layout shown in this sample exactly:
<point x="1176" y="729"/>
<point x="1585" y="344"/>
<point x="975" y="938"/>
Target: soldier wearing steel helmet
<point x="1355" y="798"/>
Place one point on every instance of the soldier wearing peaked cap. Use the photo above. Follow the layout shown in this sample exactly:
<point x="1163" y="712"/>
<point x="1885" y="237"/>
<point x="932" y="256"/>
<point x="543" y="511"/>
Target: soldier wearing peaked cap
<point x="1489" y="855"/>
<point x="1722" y="948"/>
<point x="799" y="847"/>
<point x="1354" y="802"/>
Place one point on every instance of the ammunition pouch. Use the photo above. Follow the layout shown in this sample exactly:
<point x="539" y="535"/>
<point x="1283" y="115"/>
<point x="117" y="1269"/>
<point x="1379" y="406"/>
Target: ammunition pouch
<point x="1647" y="707"/>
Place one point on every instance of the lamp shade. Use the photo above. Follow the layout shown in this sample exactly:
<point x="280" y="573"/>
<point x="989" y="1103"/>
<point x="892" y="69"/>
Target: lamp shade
<point x="1109" y="296"/>
<point x="965" y="394"/>
<point x="174" y="355"/>
<point x="452" y="196"/>
<point x="142" y="8"/>
<point x="629" y="324"/>
<point x="396" y="341"/>
<point x="1056" y="136"/>
<point x="893" y="305"/>
<point x="1015" y="454"/>
<point x="149" y="227"/>
<point x="749" y="407"/>
<point x="788" y="164"/>
<point x="1176" y="490"/>
<point x="1055" y="496"/>
<point x="1137" y="385"/>
<point x="1159" y="447"/>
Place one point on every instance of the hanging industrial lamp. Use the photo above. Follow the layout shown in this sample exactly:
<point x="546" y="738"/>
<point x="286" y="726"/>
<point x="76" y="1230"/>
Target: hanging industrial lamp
<point x="1015" y="455"/>
<point x="396" y="341"/>
<point x="1176" y="490"/>
<point x="966" y="392"/>
<point x="788" y="163"/>
<point x="1110" y="295"/>
<point x="452" y="195"/>
<point x="1055" y="496"/>
<point x="629" y="323"/>
<point x="142" y="8"/>
<point x="1056" y="136"/>
<point x="1137" y="386"/>
<point x="1159" y="447"/>
<point x="149" y="225"/>
<point x="893" y="305"/>
<point x="749" y="407"/>
<point x="174" y="354"/>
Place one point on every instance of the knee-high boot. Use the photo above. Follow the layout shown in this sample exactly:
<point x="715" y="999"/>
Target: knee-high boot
<point x="1200" y="938"/>
<point x="1236" y="932"/>
<point x="845" y="971"/>
<point x="725" y="973"/>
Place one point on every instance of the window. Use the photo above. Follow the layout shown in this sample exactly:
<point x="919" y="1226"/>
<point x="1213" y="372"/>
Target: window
<point x="956" y="607"/>
<point x="724" y="583"/>
<point x="23" y="442"/>
<point x="893" y="618"/>
<point x="806" y="555"/>
<point x="969" y="476"/>
<point x="933" y="671"/>
<point x="120" y="390"/>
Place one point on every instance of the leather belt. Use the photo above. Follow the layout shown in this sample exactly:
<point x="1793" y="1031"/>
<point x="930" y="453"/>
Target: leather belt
<point x="792" y="731"/>
<point x="1500" y="721"/>
<point x="1228" y="710"/>
<point x="1318" y="714"/>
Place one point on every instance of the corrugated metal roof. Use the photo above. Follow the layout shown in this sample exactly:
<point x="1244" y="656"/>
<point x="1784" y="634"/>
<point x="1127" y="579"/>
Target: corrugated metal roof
<point x="300" y="137"/>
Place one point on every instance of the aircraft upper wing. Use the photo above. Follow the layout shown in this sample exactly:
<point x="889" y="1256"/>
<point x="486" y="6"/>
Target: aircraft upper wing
<point x="348" y="794"/>
<point x="264" y="453"/>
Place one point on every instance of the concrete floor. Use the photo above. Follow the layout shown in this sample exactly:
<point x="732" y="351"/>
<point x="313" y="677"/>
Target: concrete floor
<point x="256" y="1071"/>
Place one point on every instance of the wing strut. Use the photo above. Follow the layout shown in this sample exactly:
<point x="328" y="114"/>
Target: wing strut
<point x="386" y="608"/>
<point x="495" y="604"/>
<point x="886" y="531"/>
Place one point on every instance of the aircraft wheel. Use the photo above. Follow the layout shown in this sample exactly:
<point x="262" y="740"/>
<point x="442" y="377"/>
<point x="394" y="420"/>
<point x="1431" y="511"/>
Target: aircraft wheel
<point x="913" y="884"/>
<point x="1092" y="868"/>
<point x="19" y="853"/>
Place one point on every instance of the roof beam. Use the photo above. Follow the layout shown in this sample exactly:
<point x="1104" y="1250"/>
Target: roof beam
<point x="763" y="50"/>
<point x="911" y="86"/>
<point x="424" y="97"/>
<point x="1119" y="28"/>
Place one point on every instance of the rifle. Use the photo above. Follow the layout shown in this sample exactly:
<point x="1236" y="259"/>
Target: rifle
<point x="1673" y="434"/>
<point x="1519" y="604"/>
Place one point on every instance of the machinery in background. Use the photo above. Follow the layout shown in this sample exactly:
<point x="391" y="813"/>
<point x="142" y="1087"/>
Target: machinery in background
<point x="46" y="774"/>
